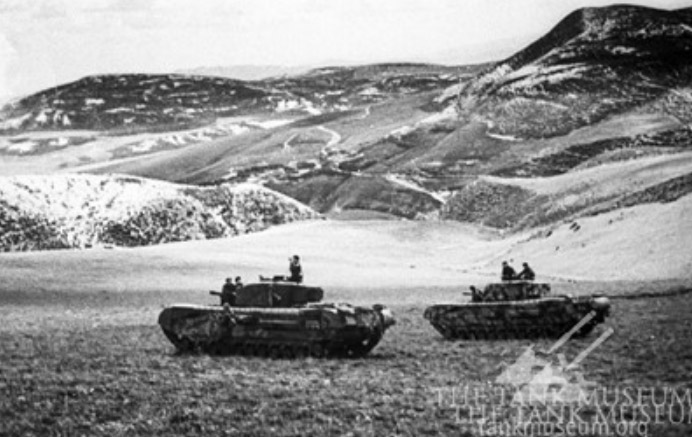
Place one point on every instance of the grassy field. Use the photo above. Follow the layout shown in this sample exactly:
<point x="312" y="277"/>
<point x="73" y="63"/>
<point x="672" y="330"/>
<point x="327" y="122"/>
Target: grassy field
<point x="83" y="363"/>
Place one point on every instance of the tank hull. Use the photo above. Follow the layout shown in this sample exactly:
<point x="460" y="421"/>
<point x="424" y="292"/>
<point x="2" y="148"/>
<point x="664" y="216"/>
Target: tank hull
<point x="533" y="318"/>
<point x="322" y="330"/>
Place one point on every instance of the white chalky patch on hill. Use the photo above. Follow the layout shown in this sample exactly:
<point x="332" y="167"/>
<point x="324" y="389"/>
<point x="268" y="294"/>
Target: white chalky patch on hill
<point x="64" y="211"/>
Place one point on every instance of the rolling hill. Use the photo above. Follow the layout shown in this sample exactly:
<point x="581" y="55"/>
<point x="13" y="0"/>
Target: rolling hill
<point x="79" y="211"/>
<point x="595" y="63"/>
<point x="597" y="110"/>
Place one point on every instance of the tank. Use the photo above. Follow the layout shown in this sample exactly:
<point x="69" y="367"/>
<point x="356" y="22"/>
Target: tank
<point x="517" y="310"/>
<point x="277" y="319"/>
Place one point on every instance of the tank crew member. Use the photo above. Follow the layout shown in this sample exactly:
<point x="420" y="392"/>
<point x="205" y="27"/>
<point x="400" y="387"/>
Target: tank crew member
<point x="238" y="282"/>
<point x="295" y="269"/>
<point x="527" y="273"/>
<point x="508" y="273"/>
<point x="228" y="292"/>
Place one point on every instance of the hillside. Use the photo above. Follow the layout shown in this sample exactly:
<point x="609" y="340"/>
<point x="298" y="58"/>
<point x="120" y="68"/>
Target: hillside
<point x="399" y="260"/>
<point x="595" y="63"/>
<point x="605" y="88"/>
<point x="77" y="211"/>
<point x="128" y="103"/>
<point x="134" y="102"/>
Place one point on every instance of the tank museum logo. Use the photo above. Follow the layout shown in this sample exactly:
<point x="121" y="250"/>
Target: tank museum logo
<point x="542" y="393"/>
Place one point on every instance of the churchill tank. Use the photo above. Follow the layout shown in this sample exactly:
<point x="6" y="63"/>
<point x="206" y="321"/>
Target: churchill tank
<point x="276" y="319"/>
<point x="518" y="310"/>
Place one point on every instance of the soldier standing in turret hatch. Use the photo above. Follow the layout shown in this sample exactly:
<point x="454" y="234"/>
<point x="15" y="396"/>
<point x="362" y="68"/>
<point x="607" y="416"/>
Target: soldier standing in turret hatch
<point x="228" y="292"/>
<point x="296" y="270"/>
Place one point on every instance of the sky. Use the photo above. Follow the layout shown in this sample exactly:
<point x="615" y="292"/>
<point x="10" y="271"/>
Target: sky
<point x="44" y="43"/>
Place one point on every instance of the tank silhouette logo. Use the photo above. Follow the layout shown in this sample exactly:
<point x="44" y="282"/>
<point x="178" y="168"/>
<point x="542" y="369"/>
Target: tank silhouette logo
<point x="537" y="379"/>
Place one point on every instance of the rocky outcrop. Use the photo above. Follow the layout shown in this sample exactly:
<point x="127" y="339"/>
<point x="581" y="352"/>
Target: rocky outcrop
<point x="595" y="63"/>
<point x="76" y="211"/>
<point x="500" y="204"/>
<point x="495" y="205"/>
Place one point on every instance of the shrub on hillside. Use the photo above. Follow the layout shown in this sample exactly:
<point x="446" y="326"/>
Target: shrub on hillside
<point x="495" y="205"/>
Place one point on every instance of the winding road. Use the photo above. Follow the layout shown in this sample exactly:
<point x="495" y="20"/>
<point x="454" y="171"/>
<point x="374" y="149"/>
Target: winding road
<point x="333" y="141"/>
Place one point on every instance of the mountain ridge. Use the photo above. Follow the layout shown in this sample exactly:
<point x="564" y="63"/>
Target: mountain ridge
<point x="594" y="63"/>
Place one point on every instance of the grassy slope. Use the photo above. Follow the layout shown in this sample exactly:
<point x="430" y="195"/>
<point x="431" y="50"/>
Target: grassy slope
<point x="520" y="203"/>
<point x="209" y="161"/>
<point x="82" y="353"/>
<point x="100" y="366"/>
<point x="612" y="177"/>
<point x="645" y="242"/>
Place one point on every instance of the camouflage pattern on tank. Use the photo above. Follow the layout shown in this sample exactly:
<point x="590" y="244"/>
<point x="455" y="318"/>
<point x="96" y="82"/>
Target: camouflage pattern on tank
<point x="516" y="310"/>
<point x="277" y="319"/>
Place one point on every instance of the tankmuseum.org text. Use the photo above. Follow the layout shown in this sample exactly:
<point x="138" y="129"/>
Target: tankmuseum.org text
<point x="494" y="410"/>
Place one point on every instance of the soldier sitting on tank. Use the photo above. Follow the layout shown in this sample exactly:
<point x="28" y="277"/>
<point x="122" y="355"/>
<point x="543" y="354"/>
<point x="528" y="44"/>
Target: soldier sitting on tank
<point x="238" y="282"/>
<point x="527" y="274"/>
<point x="477" y="295"/>
<point x="228" y="292"/>
<point x="508" y="273"/>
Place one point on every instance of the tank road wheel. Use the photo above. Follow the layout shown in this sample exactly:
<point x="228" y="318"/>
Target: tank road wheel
<point x="255" y="350"/>
<point x="557" y="330"/>
<point x="279" y="351"/>
<point x="242" y="349"/>
<point x="210" y="349"/>
<point x="300" y="351"/>
<point x="362" y="348"/>
<point x="287" y="351"/>
<point x="317" y="350"/>
<point x="274" y="351"/>
<point x="263" y="350"/>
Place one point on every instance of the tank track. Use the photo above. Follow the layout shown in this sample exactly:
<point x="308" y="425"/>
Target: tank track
<point x="275" y="349"/>
<point x="211" y="331"/>
<point x="508" y="321"/>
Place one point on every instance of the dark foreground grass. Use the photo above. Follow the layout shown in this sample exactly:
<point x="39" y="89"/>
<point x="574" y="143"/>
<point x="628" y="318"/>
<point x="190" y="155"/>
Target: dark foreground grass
<point x="102" y="367"/>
